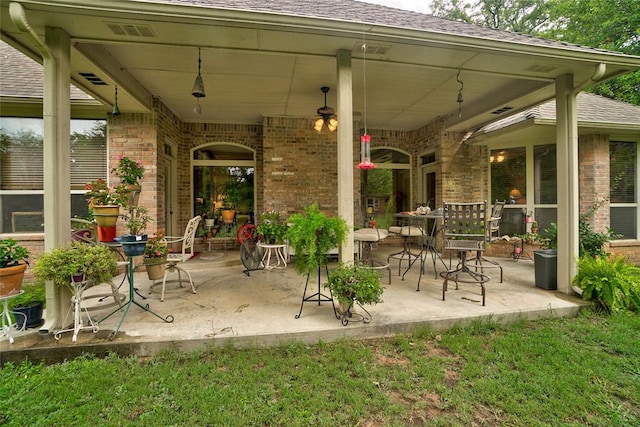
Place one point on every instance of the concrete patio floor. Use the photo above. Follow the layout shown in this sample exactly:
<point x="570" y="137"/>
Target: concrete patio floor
<point x="259" y="310"/>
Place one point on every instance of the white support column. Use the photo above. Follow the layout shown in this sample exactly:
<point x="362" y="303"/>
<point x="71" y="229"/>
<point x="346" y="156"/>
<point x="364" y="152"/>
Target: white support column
<point x="345" y="149"/>
<point x="57" y="182"/>
<point x="568" y="186"/>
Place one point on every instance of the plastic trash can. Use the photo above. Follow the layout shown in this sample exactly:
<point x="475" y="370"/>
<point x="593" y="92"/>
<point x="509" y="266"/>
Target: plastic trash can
<point x="546" y="262"/>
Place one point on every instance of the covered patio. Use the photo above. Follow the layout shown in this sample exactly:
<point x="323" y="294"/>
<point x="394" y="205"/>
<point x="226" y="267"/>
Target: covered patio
<point x="263" y="67"/>
<point x="232" y="308"/>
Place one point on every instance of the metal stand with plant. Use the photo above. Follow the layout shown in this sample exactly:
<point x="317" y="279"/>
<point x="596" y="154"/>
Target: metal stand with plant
<point x="312" y="235"/>
<point x="355" y="285"/>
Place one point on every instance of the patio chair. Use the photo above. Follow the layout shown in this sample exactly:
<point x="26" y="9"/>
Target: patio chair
<point x="187" y="242"/>
<point x="368" y="239"/>
<point x="464" y="230"/>
<point x="493" y="234"/>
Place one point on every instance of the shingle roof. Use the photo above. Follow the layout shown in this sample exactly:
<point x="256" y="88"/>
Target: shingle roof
<point x="22" y="77"/>
<point x="360" y="12"/>
<point x="591" y="109"/>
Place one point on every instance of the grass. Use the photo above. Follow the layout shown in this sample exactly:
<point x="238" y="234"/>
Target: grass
<point x="582" y="371"/>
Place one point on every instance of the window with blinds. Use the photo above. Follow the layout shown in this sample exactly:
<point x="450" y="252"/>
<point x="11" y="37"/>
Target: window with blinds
<point x="21" y="155"/>
<point x="623" y="161"/>
<point x="21" y="169"/>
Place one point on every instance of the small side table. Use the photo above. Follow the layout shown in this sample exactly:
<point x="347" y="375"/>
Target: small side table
<point x="279" y="259"/>
<point x="7" y="324"/>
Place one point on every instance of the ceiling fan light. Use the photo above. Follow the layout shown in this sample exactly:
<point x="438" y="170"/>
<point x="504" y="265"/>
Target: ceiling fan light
<point x="318" y="124"/>
<point x="332" y="124"/>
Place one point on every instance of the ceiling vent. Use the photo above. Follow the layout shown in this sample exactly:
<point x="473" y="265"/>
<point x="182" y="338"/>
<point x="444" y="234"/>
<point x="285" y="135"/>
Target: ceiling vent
<point x="541" y="68"/>
<point x="502" y="110"/>
<point x="372" y="49"/>
<point x="93" y="79"/>
<point x="134" y="30"/>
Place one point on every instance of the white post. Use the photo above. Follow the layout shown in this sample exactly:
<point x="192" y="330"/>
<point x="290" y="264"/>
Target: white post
<point x="568" y="187"/>
<point x="345" y="149"/>
<point x="56" y="146"/>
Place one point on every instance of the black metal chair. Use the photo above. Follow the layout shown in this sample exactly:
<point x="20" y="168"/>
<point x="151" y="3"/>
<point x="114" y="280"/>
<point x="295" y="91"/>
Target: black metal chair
<point x="493" y="234"/>
<point x="464" y="230"/>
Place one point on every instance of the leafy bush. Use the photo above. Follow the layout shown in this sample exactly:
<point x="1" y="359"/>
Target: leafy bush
<point x="613" y="282"/>
<point x="591" y="243"/>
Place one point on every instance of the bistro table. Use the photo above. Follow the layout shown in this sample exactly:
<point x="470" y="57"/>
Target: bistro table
<point x="428" y="242"/>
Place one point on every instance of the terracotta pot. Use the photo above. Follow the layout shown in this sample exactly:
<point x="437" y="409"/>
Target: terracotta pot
<point x="106" y="234"/>
<point x="11" y="279"/>
<point x="106" y="216"/>
<point x="227" y="215"/>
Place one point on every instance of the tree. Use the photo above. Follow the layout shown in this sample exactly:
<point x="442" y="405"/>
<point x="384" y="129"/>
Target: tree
<point x="606" y="24"/>
<point x="522" y="16"/>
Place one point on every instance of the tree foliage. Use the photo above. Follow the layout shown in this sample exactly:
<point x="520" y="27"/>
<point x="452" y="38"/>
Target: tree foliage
<point x="605" y="24"/>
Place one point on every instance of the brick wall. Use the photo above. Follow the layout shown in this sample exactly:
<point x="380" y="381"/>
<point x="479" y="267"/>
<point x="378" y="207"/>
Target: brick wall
<point x="593" y="154"/>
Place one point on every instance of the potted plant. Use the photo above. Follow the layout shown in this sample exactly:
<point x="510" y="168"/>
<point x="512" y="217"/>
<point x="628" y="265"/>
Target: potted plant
<point x="155" y="256"/>
<point x="27" y="307"/>
<point x="95" y="263"/>
<point x="130" y="173"/>
<point x="104" y="205"/>
<point x="136" y="221"/>
<point x="271" y="227"/>
<point x="231" y="198"/>
<point x="13" y="262"/>
<point x="312" y="235"/>
<point x="355" y="284"/>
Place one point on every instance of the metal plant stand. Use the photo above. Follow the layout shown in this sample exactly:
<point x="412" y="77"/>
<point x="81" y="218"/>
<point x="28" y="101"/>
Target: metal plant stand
<point x="349" y="315"/>
<point x="5" y="316"/>
<point x="77" y="291"/>
<point x="132" y="300"/>
<point x="318" y="296"/>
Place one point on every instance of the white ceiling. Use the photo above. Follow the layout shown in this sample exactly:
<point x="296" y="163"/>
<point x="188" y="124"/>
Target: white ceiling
<point x="252" y="69"/>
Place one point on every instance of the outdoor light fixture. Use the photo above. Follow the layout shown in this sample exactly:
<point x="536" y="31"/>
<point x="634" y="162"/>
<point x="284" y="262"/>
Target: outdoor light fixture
<point x="365" y="139"/>
<point x="116" y="109"/>
<point x="198" y="88"/>
<point x="460" y="98"/>
<point x="327" y="115"/>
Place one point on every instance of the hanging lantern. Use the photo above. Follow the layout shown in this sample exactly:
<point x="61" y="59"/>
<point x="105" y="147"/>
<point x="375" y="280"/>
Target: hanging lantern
<point x="365" y="153"/>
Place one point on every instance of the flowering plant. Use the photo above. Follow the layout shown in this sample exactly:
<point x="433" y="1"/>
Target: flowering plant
<point x="156" y="246"/>
<point x="130" y="172"/>
<point x="101" y="195"/>
<point x="137" y="219"/>
<point x="271" y="228"/>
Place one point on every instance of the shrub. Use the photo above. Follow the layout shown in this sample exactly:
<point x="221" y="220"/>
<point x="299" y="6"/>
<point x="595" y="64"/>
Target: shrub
<point x="612" y="282"/>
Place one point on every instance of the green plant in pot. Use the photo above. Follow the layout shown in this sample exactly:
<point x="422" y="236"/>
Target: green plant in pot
<point x="312" y="234"/>
<point x="271" y="227"/>
<point x="155" y="256"/>
<point x="355" y="282"/>
<point x="231" y="197"/>
<point x="95" y="263"/>
<point x="27" y="307"/>
<point x="13" y="262"/>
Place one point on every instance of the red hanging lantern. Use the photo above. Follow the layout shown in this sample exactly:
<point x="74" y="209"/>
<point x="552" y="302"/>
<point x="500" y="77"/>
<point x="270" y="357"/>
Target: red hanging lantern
<point x="365" y="153"/>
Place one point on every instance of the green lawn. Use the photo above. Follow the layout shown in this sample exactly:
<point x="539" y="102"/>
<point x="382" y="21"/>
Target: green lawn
<point x="582" y="371"/>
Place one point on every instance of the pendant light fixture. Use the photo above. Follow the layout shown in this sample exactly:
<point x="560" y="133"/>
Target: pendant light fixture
<point x="198" y="88"/>
<point x="365" y="139"/>
<point x="460" y="98"/>
<point x="116" y="109"/>
<point x="327" y="115"/>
